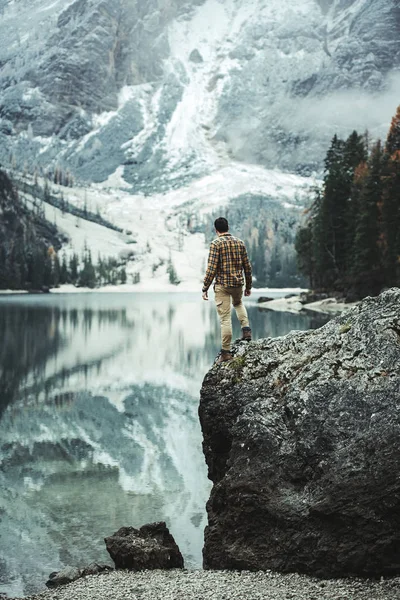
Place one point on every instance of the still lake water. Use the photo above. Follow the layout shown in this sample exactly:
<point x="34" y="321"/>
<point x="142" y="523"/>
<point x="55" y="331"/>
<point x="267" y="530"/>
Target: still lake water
<point x="98" y="423"/>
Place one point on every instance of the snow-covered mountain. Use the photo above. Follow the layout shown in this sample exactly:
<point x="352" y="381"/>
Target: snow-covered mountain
<point x="162" y="95"/>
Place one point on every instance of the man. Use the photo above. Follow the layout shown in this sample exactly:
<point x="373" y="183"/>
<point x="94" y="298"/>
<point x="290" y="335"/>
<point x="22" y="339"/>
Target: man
<point x="226" y="262"/>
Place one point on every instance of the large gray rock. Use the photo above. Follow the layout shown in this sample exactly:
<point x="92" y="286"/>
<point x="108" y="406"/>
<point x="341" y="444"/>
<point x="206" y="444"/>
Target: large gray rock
<point x="150" y="547"/>
<point x="302" y="441"/>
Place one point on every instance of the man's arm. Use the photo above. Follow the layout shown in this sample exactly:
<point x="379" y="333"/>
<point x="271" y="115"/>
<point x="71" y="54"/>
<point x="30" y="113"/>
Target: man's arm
<point x="213" y="258"/>
<point x="247" y="269"/>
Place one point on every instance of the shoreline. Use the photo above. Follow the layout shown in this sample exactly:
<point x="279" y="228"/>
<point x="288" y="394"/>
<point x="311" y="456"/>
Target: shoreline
<point x="294" y="306"/>
<point x="219" y="585"/>
<point x="141" y="289"/>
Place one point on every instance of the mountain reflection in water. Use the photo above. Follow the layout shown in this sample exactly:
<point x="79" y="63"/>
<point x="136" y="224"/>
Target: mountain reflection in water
<point x="98" y="423"/>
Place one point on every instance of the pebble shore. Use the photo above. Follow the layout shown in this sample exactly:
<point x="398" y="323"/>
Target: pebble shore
<point x="219" y="585"/>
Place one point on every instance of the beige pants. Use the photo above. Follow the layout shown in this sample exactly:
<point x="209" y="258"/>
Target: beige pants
<point x="223" y="297"/>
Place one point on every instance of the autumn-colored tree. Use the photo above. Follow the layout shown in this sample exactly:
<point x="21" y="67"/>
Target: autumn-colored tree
<point x="393" y="138"/>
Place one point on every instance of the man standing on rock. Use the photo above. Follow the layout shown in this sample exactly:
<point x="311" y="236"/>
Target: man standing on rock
<point x="226" y="262"/>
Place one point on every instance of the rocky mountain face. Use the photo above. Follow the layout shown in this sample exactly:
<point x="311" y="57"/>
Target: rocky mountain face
<point x="172" y="90"/>
<point x="302" y="441"/>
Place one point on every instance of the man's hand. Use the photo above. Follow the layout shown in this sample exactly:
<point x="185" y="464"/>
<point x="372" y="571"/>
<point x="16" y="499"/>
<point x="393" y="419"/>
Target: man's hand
<point x="205" y="295"/>
<point x="247" y="292"/>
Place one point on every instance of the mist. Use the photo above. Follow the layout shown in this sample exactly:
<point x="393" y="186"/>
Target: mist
<point x="295" y="132"/>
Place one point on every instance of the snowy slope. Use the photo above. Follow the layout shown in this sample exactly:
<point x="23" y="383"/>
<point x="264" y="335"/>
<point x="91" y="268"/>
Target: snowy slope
<point x="156" y="228"/>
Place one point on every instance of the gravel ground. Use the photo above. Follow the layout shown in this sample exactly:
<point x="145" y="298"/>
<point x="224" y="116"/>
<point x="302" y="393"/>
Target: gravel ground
<point x="219" y="585"/>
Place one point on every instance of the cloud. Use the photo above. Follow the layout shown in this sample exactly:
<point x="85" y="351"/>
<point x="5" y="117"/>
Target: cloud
<point x="343" y="111"/>
<point x="296" y="131"/>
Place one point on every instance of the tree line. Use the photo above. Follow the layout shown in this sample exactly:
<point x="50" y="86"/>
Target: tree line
<point x="28" y="251"/>
<point x="350" y="242"/>
<point x="24" y="239"/>
<point x="84" y="273"/>
<point x="41" y="268"/>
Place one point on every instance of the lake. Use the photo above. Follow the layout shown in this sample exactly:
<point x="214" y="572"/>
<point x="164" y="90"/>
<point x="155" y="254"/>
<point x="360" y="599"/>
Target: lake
<point x="98" y="423"/>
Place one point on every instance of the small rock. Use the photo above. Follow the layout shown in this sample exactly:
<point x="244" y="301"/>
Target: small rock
<point x="150" y="547"/>
<point x="196" y="57"/>
<point x="95" y="569"/>
<point x="66" y="575"/>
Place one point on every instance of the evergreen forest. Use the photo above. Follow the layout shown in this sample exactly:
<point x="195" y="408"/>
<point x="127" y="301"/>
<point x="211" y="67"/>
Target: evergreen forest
<point x="350" y="241"/>
<point x="29" y="251"/>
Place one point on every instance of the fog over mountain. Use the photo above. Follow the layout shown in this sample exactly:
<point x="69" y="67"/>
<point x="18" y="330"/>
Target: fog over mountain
<point x="157" y="94"/>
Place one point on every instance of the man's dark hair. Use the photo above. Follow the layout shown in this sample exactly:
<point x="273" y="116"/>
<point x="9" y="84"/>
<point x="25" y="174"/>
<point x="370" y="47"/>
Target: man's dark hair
<point x="221" y="225"/>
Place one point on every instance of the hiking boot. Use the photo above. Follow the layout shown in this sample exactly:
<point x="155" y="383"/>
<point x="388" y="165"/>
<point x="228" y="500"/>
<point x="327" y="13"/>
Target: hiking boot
<point x="246" y="334"/>
<point x="224" y="356"/>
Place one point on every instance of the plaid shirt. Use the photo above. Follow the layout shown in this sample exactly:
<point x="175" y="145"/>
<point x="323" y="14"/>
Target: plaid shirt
<point x="226" y="262"/>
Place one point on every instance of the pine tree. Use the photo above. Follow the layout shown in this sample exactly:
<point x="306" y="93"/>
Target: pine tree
<point x="331" y="215"/>
<point x="64" y="275"/>
<point x="37" y="269"/>
<point x="390" y="238"/>
<point x="47" y="269"/>
<point x="100" y="271"/>
<point x="46" y="191"/>
<point x="355" y="156"/>
<point x="87" y="276"/>
<point x="334" y="220"/>
<point x="73" y="268"/>
<point x="304" y="250"/>
<point x="123" y="276"/>
<point x="172" y="274"/>
<point x="366" y="269"/>
<point x="56" y="271"/>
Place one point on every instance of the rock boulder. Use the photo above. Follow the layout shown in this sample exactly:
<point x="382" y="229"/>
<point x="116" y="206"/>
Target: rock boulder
<point x="66" y="575"/>
<point x="69" y="574"/>
<point x="302" y="441"/>
<point x="150" y="547"/>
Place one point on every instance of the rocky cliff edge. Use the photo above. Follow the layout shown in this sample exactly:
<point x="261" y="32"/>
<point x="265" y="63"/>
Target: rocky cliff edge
<point x="302" y="441"/>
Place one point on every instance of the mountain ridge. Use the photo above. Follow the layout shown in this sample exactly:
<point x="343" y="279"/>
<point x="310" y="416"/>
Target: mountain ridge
<point x="100" y="69"/>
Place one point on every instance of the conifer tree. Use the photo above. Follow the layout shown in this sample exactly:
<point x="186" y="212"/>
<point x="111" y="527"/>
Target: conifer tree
<point x="64" y="276"/>
<point x="355" y="157"/>
<point x="37" y="269"/>
<point x="391" y="218"/>
<point x="56" y="268"/>
<point x="47" y="269"/>
<point x="304" y="249"/>
<point x="87" y="276"/>
<point x="336" y="209"/>
<point x="172" y="274"/>
<point x="73" y="268"/>
<point x="366" y="268"/>
<point x="123" y="277"/>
